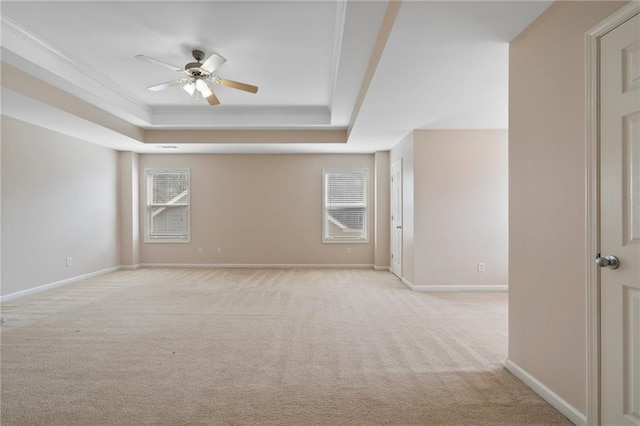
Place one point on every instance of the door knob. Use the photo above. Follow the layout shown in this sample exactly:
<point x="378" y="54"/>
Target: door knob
<point x="398" y="227"/>
<point x="610" y="262"/>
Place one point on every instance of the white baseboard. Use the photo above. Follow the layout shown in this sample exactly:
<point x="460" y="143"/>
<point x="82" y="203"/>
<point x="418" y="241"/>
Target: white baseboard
<point x="381" y="268"/>
<point x="440" y="288"/>
<point x="49" y="286"/>
<point x="407" y="283"/>
<point x="130" y="267"/>
<point x="258" y="265"/>
<point x="470" y="287"/>
<point x="547" y="394"/>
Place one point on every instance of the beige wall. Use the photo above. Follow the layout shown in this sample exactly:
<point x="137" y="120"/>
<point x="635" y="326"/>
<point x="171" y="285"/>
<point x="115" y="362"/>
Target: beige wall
<point x="1" y="224"/>
<point x="59" y="200"/>
<point x="454" y="206"/>
<point x="546" y="197"/>
<point x="259" y="209"/>
<point x="382" y="194"/>
<point x="403" y="151"/>
<point x="461" y="206"/>
<point x="129" y="212"/>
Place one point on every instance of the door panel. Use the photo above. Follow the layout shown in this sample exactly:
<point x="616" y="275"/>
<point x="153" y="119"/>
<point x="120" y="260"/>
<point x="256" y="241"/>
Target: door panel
<point x="630" y="68"/>
<point x="632" y="353"/>
<point x="620" y="223"/>
<point x="631" y="162"/>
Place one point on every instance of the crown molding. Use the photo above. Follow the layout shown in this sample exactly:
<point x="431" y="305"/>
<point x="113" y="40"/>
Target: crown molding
<point x="252" y="136"/>
<point x="391" y="13"/>
<point x="356" y="32"/>
<point x="32" y="55"/>
<point x="243" y="117"/>
<point x="341" y="11"/>
<point x="38" y="58"/>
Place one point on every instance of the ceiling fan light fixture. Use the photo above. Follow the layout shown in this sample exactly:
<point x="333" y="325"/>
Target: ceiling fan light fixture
<point x="190" y="88"/>
<point x="199" y="77"/>
<point x="203" y="87"/>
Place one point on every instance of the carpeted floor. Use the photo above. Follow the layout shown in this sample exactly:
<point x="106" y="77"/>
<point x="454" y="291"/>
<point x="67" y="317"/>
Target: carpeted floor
<point x="259" y="346"/>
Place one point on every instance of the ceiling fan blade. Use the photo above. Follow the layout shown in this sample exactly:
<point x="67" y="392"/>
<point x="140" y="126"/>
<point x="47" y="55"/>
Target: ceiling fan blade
<point x="236" y="85"/>
<point x="213" y="99"/>
<point x="158" y="62"/>
<point x="213" y="62"/>
<point x="168" y="84"/>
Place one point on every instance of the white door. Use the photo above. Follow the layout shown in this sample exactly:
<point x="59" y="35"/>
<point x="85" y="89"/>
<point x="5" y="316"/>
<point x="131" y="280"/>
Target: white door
<point x="396" y="218"/>
<point x="620" y="224"/>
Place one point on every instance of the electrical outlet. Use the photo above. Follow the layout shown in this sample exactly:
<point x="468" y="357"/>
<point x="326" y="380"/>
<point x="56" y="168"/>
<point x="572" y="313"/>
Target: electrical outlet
<point x="480" y="267"/>
<point x="69" y="261"/>
<point x="219" y="250"/>
<point x="200" y="250"/>
<point x="348" y="250"/>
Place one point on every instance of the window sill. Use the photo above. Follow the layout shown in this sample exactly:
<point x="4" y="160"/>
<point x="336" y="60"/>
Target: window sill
<point x="166" y="241"/>
<point x="345" y="241"/>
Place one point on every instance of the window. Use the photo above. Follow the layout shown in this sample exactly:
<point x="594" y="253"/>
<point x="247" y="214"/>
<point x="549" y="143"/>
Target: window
<point x="167" y="205"/>
<point x="345" y="205"/>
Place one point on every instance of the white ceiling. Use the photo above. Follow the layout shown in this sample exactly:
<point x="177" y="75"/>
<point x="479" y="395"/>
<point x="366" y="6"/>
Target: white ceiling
<point x="444" y="65"/>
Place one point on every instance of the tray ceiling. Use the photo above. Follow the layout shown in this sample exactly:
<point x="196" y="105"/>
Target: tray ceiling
<point x="320" y="66"/>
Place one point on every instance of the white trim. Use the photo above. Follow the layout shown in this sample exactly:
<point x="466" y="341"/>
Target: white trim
<point x="468" y="287"/>
<point x="260" y="265"/>
<point x="42" y="55"/>
<point x="130" y="267"/>
<point x="592" y="219"/>
<point x="407" y="283"/>
<point x="367" y="178"/>
<point x="341" y="12"/>
<point x="346" y="242"/>
<point x="573" y="414"/>
<point x="592" y="242"/>
<point x="60" y="283"/>
<point x="399" y="221"/>
<point x="381" y="268"/>
<point x="479" y="288"/>
<point x="151" y="171"/>
<point x="53" y="285"/>
<point x="442" y="288"/>
<point x="230" y="117"/>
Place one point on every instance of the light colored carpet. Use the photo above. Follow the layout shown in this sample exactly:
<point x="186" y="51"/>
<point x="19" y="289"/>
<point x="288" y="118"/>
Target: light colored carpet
<point x="259" y="346"/>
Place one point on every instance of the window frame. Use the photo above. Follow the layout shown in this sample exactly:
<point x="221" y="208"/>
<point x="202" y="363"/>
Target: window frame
<point x="148" y="205"/>
<point x="365" y="171"/>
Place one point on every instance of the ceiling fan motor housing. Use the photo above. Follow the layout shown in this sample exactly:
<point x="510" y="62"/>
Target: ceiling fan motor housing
<point x="198" y="55"/>
<point x="195" y="68"/>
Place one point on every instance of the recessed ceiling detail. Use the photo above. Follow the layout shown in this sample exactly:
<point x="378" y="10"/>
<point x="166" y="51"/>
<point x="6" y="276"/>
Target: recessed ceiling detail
<point x="443" y="65"/>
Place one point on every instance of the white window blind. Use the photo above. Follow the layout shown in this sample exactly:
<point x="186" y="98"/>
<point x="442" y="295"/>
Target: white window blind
<point x="345" y="205"/>
<point x="167" y="208"/>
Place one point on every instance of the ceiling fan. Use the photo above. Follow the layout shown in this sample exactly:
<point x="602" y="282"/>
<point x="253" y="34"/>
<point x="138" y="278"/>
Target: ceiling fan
<point x="198" y="76"/>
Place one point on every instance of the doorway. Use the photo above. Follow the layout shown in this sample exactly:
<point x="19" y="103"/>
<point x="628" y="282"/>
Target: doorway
<point x="396" y="218"/>
<point x="613" y="217"/>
